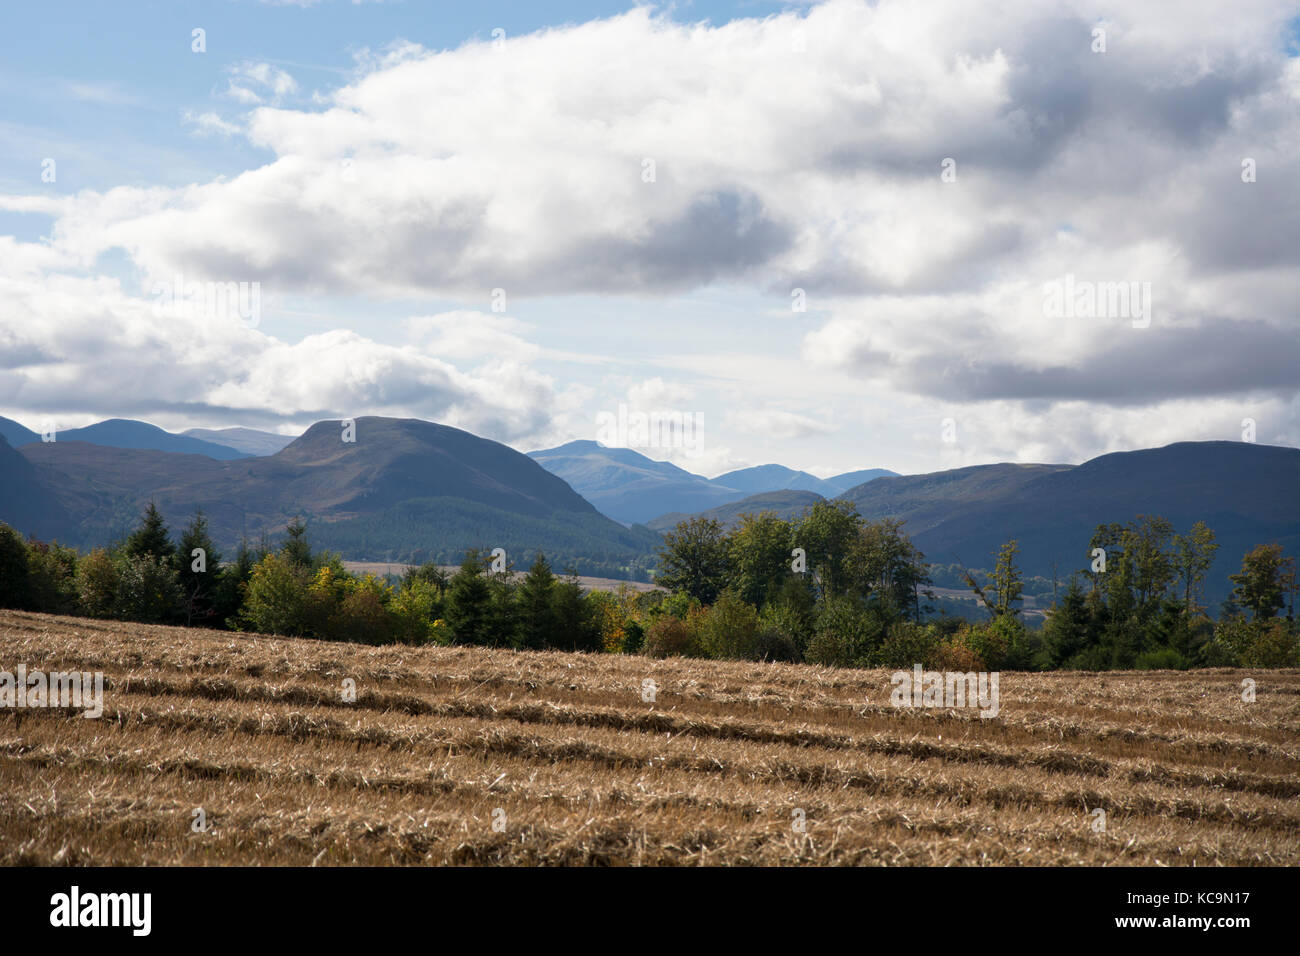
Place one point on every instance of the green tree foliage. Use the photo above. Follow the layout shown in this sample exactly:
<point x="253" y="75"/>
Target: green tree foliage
<point x="14" y="571"/>
<point x="730" y="628"/>
<point x="536" y="622"/>
<point x="827" y="534"/>
<point x="199" y="574"/>
<point x="1267" y="576"/>
<point x="470" y="603"/>
<point x="151" y="537"/>
<point x="693" y="559"/>
<point x="759" y="556"/>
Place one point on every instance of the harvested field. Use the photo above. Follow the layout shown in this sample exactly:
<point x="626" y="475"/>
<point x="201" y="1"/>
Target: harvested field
<point x="574" y="767"/>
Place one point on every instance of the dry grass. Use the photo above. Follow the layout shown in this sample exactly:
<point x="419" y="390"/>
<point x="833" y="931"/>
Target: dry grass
<point x="254" y="730"/>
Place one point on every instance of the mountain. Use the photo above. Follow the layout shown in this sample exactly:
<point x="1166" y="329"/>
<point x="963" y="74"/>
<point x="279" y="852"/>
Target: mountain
<point x="762" y="478"/>
<point x="838" y="484"/>
<point x="405" y="490"/>
<point x="1249" y="494"/>
<point x="122" y="433"/>
<point x="26" y="502"/>
<point x="629" y="487"/>
<point x="789" y="505"/>
<point x="16" y="434"/>
<point x="250" y="441"/>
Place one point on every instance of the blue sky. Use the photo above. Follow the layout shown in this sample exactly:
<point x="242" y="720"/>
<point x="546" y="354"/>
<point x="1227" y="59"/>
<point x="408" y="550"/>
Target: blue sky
<point x="378" y="169"/>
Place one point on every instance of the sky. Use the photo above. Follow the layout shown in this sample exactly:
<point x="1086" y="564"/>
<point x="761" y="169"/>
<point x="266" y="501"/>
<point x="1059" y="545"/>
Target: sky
<point x="835" y="236"/>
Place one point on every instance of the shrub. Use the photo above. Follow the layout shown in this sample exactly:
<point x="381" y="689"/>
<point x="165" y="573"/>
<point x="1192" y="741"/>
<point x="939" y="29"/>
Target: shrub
<point x="729" y="630"/>
<point x="1273" y="645"/>
<point x="905" y="645"/>
<point x="148" y="589"/>
<point x="956" y="654"/>
<point x="98" y="582"/>
<point x="670" y="637"/>
<point x="844" y="636"/>
<point x="277" y="601"/>
<point x="774" y="646"/>
<point x="52" y="578"/>
<point x="1161" y="659"/>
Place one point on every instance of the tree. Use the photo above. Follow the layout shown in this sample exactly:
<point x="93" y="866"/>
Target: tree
<point x="827" y="534"/>
<point x="14" y="584"/>
<point x="151" y="537"/>
<point x="99" y="580"/>
<point x="295" y="547"/>
<point x="1265" y="578"/>
<point x="888" y="570"/>
<point x="469" y="602"/>
<point x="277" y="596"/>
<point x="536" y="617"/>
<point x="730" y="629"/>
<point x="1193" y="556"/>
<point x="574" y="624"/>
<point x="1007" y="583"/>
<point x="1069" y="626"/>
<point x="199" y="570"/>
<point x="758" y="553"/>
<point x="148" y="590"/>
<point x="693" y="559"/>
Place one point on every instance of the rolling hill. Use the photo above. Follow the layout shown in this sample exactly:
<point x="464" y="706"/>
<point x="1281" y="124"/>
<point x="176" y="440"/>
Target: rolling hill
<point x="764" y="478"/>
<point x="1249" y="494"/>
<point x="123" y="433"/>
<point x="405" y="490"/>
<point x="630" y="487"/>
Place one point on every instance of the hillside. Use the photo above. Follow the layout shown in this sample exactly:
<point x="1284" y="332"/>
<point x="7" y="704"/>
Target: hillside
<point x="250" y="441"/>
<point x="789" y="505"/>
<point x="1249" y="494"/>
<point x="125" y="433"/>
<point x="405" y="490"/>
<point x="764" y="478"/>
<point x="562" y="752"/>
<point x="629" y="487"/>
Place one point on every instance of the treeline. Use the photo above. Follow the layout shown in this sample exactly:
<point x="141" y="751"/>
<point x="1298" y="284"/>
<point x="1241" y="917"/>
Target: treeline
<point x="834" y="588"/>
<point x="829" y="588"/>
<point x="292" y="590"/>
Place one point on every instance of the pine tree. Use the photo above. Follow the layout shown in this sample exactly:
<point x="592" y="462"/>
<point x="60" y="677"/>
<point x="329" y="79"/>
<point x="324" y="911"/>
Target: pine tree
<point x="199" y="566"/>
<point x="536" y="619"/>
<point x="295" y="547"/>
<point x="151" y="537"/>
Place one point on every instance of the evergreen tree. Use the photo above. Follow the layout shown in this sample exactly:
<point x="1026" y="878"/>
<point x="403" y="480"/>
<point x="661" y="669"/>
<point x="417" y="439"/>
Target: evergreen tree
<point x="536" y="625"/>
<point x="295" y="547"/>
<point x="151" y="537"/>
<point x="469" y="602"/>
<point x="199" y="567"/>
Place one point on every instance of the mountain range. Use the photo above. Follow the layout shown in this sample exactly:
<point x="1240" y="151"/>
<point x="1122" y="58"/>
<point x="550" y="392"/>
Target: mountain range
<point x="409" y="490"/>
<point x="404" y="490"/>
<point x="1248" y="494"/>
<point x="632" y="488"/>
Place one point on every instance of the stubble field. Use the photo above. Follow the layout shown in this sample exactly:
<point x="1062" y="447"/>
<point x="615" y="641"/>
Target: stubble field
<point x="475" y="756"/>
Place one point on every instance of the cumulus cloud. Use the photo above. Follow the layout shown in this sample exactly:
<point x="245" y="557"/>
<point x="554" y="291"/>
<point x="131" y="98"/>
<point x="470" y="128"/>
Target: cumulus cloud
<point x="636" y="155"/>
